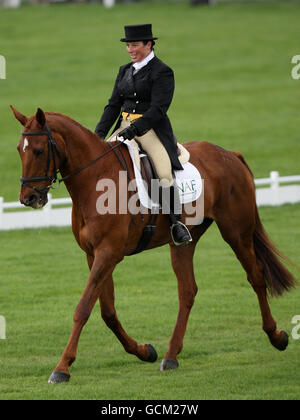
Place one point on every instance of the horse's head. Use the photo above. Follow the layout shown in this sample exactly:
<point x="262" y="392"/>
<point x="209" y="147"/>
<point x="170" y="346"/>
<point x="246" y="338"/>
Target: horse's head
<point x="40" y="158"/>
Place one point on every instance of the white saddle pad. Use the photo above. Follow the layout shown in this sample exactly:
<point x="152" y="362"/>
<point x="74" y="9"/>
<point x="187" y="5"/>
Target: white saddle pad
<point x="188" y="181"/>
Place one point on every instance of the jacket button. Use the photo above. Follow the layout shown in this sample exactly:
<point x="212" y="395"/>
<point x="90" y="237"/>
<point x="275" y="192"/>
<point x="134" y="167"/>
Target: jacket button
<point x="134" y="94"/>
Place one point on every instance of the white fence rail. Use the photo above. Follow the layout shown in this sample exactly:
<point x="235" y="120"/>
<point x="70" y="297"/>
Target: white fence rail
<point x="57" y="211"/>
<point x="276" y="194"/>
<point x="24" y="218"/>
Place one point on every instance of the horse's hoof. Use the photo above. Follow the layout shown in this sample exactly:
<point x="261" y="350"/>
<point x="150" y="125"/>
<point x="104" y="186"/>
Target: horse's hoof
<point x="57" y="377"/>
<point x="280" y="341"/>
<point x="152" y="355"/>
<point x="283" y="342"/>
<point x="168" y="364"/>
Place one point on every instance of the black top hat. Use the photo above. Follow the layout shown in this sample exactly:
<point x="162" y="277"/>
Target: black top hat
<point x="138" y="33"/>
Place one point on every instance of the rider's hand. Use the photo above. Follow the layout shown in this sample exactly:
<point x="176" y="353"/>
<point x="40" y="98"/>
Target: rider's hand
<point x="128" y="133"/>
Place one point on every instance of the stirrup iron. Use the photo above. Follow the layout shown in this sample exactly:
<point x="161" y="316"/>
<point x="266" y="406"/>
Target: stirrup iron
<point x="186" y="241"/>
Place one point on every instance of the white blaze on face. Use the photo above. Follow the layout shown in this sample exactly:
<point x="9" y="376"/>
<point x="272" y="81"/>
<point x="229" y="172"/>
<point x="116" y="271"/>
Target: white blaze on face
<point x="25" y="144"/>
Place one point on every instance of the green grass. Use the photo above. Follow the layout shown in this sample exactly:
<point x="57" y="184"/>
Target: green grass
<point x="226" y="355"/>
<point x="233" y="67"/>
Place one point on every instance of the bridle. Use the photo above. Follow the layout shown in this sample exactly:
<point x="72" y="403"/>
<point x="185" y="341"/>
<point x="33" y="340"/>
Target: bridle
<point x="52" y="150"/>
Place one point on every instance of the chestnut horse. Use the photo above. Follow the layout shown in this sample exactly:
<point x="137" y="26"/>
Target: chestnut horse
<point x="52" y="142"/>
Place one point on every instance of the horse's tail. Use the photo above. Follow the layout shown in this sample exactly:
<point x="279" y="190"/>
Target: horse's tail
<point x="278" y="278"/>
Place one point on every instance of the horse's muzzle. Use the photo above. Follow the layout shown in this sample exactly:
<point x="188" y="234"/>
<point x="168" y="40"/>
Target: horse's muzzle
<point x="34" y="200"/>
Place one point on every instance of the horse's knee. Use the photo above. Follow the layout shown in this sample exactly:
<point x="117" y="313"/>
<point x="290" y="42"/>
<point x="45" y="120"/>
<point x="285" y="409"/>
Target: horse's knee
<point x="188" y="298"/>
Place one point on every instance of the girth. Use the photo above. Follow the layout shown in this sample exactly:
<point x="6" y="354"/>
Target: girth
<point x="148" y="173"/>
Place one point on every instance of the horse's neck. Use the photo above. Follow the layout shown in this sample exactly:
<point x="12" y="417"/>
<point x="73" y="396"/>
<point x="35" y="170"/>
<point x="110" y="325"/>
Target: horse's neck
<point x="77" y="138"/>
<point x="81" y="146"/>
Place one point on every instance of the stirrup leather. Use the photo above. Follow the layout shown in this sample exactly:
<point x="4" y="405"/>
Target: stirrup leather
<point x="186" y="241"/>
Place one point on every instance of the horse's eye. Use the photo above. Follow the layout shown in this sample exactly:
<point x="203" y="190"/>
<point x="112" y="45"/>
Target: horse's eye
<point x="38" y="152"/>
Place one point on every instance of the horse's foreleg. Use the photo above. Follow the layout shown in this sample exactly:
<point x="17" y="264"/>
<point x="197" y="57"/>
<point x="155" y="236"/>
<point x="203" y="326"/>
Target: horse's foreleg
<point x="101" y="269"/>
<point x="145" y="352"/>
<point x="182" y="262"/>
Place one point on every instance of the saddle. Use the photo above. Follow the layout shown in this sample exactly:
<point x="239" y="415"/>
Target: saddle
<point x="145" y="164"/>
<point x="146" y="168"/>
<point x="148" y="173"/>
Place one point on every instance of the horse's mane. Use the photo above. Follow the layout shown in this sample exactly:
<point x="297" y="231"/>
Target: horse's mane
<point x="86" y="130"/>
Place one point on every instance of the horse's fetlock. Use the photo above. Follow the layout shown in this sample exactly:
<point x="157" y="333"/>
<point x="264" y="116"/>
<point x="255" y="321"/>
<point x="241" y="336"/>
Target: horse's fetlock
<point x="270" y="330"/>
<point x="131" y="349"/>
<point x="71" y="360"/>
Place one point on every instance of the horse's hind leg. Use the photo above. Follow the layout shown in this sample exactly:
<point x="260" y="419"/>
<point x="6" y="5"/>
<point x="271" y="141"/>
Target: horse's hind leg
<point x="182" y="262"/>
<point x="243" y="246"/>
<point x="145" y="352"/>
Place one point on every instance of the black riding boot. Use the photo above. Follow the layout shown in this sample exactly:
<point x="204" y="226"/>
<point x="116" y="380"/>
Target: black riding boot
<point x="179" y="232"/>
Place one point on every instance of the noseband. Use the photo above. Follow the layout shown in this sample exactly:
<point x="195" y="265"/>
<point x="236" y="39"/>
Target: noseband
<point x="52" y="150"/>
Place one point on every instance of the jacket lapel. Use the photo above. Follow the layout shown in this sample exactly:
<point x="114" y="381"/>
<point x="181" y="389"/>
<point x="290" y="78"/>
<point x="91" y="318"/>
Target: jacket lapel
<point x="145" y="69"/>
<point x="128" y="77"/>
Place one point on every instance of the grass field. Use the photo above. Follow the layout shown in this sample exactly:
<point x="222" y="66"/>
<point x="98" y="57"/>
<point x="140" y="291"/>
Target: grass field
<point x="234" y="88"/>
<point x="226" y="355"/>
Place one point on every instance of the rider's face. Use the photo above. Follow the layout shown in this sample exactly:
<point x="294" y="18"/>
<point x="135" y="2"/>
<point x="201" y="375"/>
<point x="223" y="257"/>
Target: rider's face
<point x="138" y="50"/>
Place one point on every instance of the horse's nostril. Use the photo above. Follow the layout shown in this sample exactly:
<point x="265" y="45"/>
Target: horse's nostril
<point x="31" y="199"/>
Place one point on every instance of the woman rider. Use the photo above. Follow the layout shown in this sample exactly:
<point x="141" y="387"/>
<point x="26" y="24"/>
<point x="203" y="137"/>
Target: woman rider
<point x="143" y="91"/>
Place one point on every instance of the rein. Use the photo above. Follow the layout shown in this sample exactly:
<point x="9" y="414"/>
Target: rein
<point x="77" y="171"/>
<point x="52" y="150"/>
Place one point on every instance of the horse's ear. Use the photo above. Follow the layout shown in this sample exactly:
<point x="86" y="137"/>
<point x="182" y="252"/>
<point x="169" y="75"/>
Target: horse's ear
<point x="40" y="117"/>
<point x="20" y="117"/>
